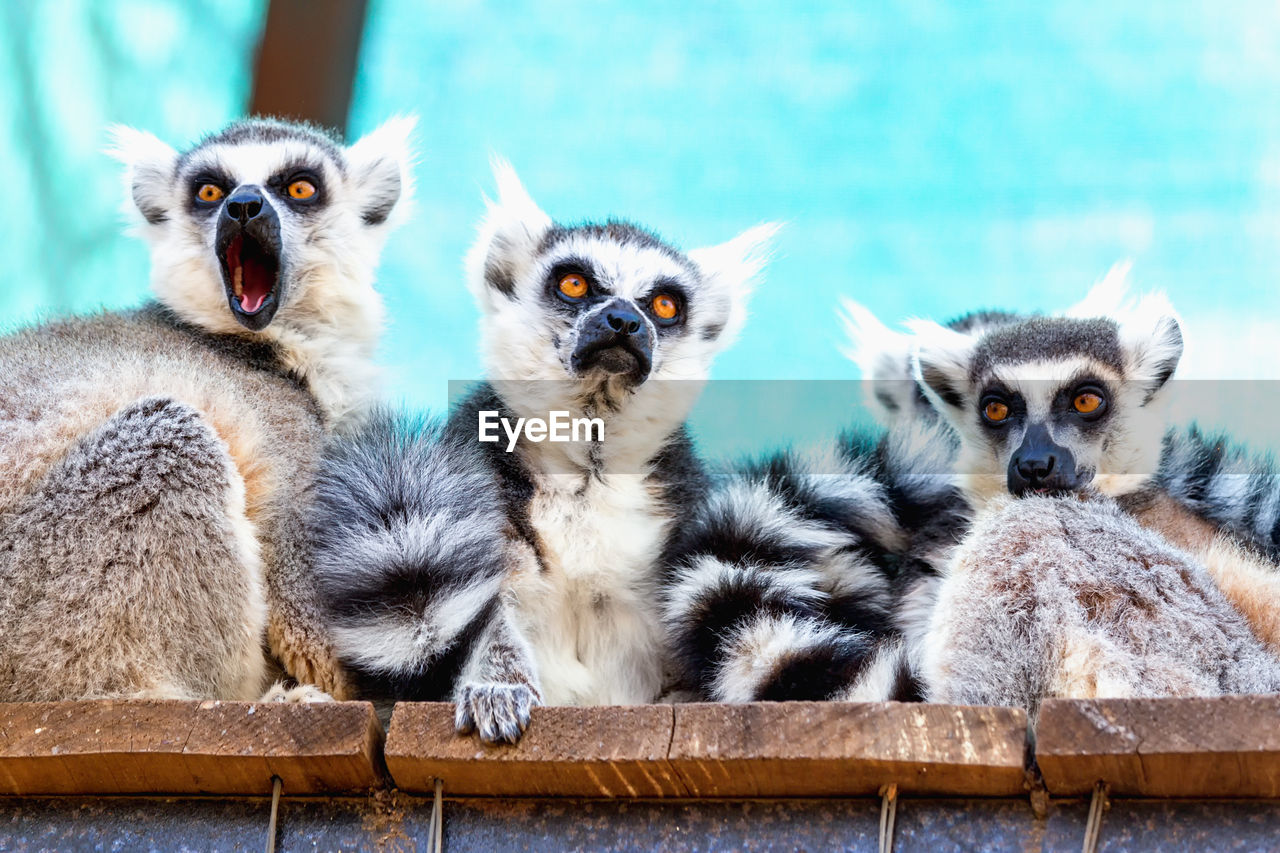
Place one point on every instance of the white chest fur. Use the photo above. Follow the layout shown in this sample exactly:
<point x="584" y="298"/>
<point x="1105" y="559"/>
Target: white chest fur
<point x="591" y="614"/>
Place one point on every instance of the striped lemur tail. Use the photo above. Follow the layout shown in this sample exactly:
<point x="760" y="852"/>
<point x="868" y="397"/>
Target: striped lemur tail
<point x="786" y="588"/>
<point x="1223" y="483"/>
<point x="404" y="531"/>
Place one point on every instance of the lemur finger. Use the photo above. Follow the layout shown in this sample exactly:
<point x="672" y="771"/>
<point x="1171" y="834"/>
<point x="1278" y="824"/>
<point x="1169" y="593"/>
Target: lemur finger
<point x="463" y="722"/>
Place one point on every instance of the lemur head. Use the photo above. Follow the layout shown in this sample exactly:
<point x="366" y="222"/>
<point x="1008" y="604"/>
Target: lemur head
<point x="884" y="355"/>
<point x="1054" y="404"/>
<point x="605" y="310"/>
<point x="267" y="220"/>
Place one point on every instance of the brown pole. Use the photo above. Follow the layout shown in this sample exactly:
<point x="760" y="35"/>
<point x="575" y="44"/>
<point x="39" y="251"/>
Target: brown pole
<point x="306" y="65"/>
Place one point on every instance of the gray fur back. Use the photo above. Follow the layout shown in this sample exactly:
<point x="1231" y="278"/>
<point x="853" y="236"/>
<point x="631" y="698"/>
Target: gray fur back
<point x="126" y="544"/>
<point x="1062" y="597"/>
<point x="151" y="475"/>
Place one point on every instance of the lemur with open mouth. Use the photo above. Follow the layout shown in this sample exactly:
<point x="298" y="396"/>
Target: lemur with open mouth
<point x="503" y="575"/>
<point x="155" y="464"/>
<point x="1084" y="575"/>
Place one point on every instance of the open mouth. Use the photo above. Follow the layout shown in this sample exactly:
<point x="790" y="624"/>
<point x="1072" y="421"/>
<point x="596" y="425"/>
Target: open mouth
<point x="251" y="275"/>
<point x="251" y="271"/>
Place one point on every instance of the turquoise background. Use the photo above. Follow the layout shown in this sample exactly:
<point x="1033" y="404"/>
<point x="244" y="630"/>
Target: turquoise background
<point x="927" y="157"/>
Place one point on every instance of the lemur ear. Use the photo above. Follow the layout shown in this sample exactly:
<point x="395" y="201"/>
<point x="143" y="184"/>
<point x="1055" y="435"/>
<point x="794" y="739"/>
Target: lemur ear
<point x="732" y="269"/>
<point x="940" y="363"/>
<point x="508" y="237"/>
<point x="148" y="171"/>
<point x="883" y="357"/>
<point x="1108" y="297"/>
<point x="381" y="168"/>
<point x="1151" y="338"/>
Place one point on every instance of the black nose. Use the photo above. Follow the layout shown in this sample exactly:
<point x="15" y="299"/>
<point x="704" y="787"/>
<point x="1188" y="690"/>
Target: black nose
<point x="1036" y="469"/>
<point x="624" y="321"/>
<point x="1040" y="464"/>
<point x="244" y="204"/>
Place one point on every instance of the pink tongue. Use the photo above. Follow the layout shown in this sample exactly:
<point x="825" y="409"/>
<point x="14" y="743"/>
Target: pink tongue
<point x="250" y="303"/>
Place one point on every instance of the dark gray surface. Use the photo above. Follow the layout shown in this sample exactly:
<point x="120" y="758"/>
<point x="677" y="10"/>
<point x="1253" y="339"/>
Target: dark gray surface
<point x="400" y="823"/>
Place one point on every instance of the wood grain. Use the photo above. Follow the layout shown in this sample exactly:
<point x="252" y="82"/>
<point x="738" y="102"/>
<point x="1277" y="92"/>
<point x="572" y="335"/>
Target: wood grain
<point x="566" y="752"/>
<point x="759" y="750"/>
<point x="819" y="749"/>
<point x="170" y="747"/>
<point x="1226" y="746"/>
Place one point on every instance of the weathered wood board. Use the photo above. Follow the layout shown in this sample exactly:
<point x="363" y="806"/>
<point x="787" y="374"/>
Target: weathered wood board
<point x="171" y="747"/>
<point x="816" y="749"/>
<point x="1225" y="746"/>
<point x="566" y="752"/>
<point x="801" y="749"/>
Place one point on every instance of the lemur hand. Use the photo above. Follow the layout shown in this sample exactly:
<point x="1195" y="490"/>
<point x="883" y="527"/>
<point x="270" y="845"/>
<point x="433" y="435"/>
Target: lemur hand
<point x="499" y="713"/>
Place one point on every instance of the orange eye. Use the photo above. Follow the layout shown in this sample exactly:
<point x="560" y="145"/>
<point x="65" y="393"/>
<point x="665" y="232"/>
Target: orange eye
<point x="665" y="307"/>
<point x="302" y="190"/>
<point x="573" y="286"/>
<point x="996" y="411"/>
<point x="209" y="193"/>
<point x="1087" y="403"/>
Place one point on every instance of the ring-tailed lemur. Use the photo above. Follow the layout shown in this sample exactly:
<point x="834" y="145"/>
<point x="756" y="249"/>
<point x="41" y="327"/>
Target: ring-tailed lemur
<point x="801" y="572"/>
<point x="503" y="575"/>
<point x="155" y="464"/>
<point x="1072" y="404"/>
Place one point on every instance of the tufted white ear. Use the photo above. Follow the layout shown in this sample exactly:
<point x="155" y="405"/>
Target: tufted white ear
<point x="381" y="171"/>
<point x="507" y="239"/>
<point x="940" y="363"/>
<point x="1151" y="337"/>
<point x="733" y="268"/>
<point x="883" y="357"/>
<point x="148" y="172"/>
<point x="1107" y="297"/>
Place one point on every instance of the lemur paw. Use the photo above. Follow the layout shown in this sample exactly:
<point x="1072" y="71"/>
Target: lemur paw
<point x="301" y="694"/>
<point x="499" y="713"/>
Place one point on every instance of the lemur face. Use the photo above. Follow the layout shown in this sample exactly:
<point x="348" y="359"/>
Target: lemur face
<point x="265" y="218"/>
<point x="1053" y="404"/>
<point x="602" y="309"/>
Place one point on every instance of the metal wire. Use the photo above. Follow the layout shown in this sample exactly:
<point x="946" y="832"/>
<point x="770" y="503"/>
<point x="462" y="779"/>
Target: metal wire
<point x="276" y="787"/>
<point x="435" y="831"/>
<point x="1093" y="827"/>
<point x="888" y="814"/>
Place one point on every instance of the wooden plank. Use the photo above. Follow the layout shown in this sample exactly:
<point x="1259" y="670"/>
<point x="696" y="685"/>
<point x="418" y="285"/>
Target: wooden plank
<point x="795" y="749"/>
<point x="170" y="747"/>
<point x="1227" y="746"/>
<point x="566" y="752"/>
<point x="820" y="749"/>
